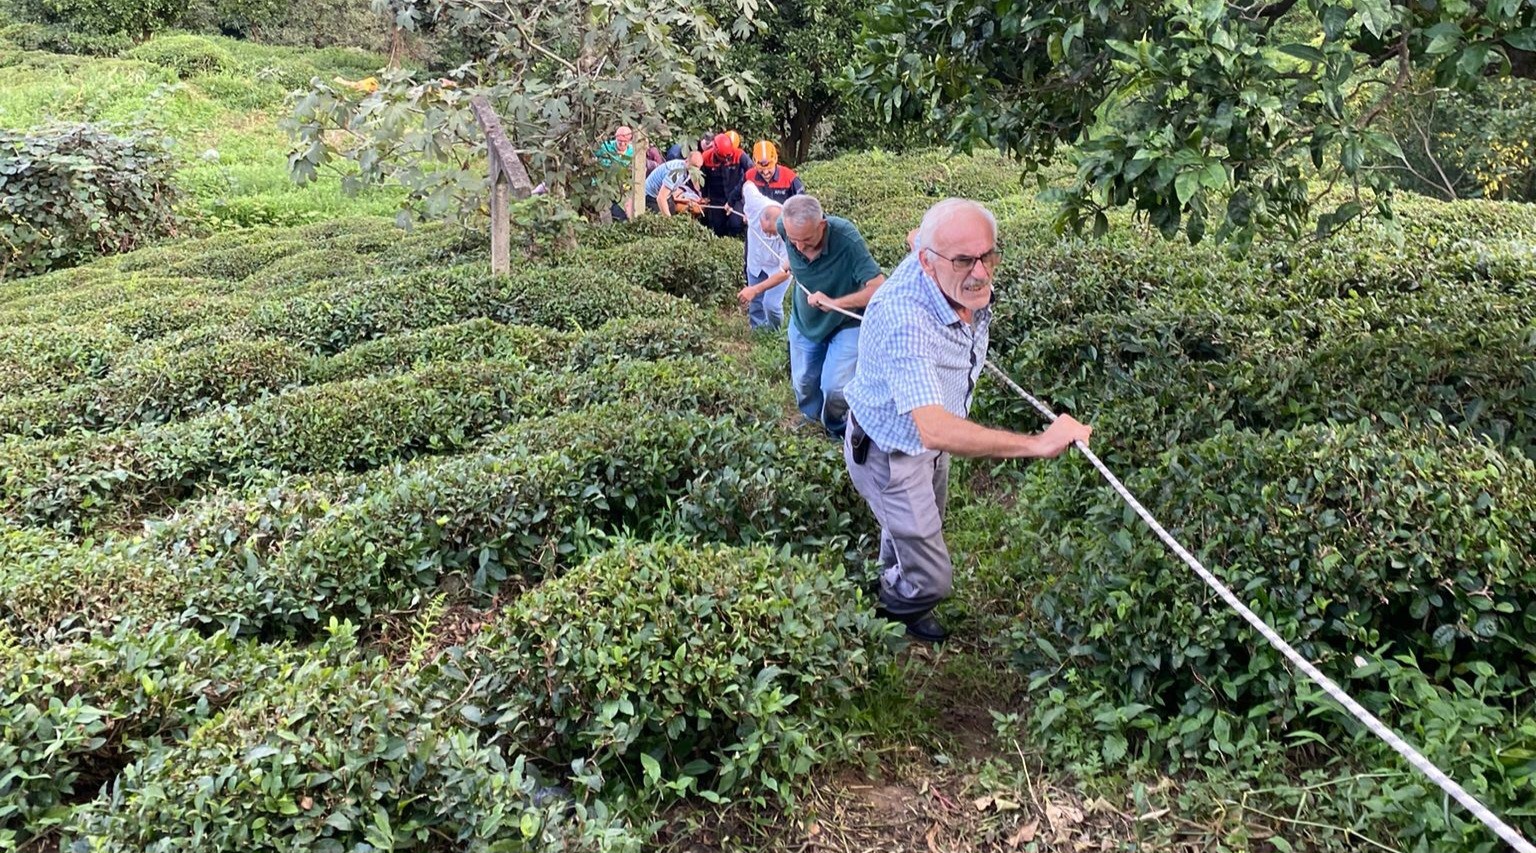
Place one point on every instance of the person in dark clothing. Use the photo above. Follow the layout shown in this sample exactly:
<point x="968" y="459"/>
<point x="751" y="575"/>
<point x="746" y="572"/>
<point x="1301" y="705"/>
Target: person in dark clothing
<point x="775" y="182"/>
<point x="725" y="168"/>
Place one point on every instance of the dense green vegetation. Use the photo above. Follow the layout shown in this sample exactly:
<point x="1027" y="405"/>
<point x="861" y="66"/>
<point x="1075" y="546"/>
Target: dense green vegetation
<point x="315" y="534"/>
<point x="218" y="102"/>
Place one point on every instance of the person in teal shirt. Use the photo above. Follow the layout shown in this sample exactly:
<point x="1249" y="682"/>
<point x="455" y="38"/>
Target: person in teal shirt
<point x="617" y="153"/>
<point x="828" y="256"/>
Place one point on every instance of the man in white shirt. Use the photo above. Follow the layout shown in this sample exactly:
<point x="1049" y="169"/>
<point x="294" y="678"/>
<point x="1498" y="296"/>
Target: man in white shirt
<point x="767" y="270"/>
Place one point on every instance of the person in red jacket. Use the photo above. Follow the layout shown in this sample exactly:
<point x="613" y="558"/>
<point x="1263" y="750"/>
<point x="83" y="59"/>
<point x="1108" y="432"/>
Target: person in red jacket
<point x="776" y="182"/>
<point x="725" y="168"/>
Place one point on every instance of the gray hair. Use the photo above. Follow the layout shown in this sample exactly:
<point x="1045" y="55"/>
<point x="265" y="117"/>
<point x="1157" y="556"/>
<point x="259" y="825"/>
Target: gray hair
<point x="803" y="210"/>
<point x="944" y="211"/>
<point x="770" y="213"/>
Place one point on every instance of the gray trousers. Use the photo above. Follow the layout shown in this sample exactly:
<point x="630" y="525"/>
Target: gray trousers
<point x="907" y="494"/>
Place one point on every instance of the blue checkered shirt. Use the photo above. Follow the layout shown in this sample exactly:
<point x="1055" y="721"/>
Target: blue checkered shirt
<point x="914" y="351"/>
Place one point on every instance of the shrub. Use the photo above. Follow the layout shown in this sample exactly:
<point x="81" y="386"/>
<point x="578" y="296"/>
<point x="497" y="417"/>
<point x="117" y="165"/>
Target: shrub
<point x="74" y="712"/>
<point x="54" y="585"/>
<point x="856" y="184"/>
<point x="73" y="191"/>
<point x="137" y="18"/>
<point x="705" y="272"/>
<point x="1351" y="542"/>
<point x="681" y="669"/>
<point x="57" y="38"/>
<point x="1178" y="370"/>
<point x="54" y="357"/>
<point x="645" y="229"/>
<point x="620" y="339"/>
<point x="350" y="313"/>
<point x="187" y="55"/>
<point x="338" y="757"/>
<point x="357" y="425"/>
<point x="278" y="558"/>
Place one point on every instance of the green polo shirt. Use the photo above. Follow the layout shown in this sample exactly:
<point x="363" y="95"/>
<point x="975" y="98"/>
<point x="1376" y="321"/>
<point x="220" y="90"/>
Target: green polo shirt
<point x="843" y="267"/>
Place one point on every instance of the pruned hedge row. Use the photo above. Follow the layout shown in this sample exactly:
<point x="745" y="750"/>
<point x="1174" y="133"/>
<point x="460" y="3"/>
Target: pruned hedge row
<point x="182" y="376"/>
<point x="858" y="183"/>
<point x="1179" y="370"/>
<point x="698" y="670"/>
<point x="41" y="358"/>
<point x="73" y="713"/>
<point x="339" y="756"/>
<point x="1397" y="559"/>
<point x="1349" y="539"/>
<point x="278" y="558"/>
<point x="671" y="670"/>
<point x="705" y="272"/>
<point x="82" y="481"/>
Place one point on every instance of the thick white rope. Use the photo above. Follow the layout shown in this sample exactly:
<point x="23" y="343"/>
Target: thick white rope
<point x="1369" y="720"/>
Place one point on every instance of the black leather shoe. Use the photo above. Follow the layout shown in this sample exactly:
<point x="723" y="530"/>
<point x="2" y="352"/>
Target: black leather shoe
<point x="920" y="626"/>
<point x="927" y="629"/>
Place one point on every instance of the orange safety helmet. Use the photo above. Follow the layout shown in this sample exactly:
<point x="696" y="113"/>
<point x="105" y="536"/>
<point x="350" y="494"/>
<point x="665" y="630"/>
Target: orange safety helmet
<point x="735" y="139"/>
<point x="765" y="156"/>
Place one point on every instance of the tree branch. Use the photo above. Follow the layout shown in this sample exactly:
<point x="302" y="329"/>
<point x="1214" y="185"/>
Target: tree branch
<point x="1404" y="74"/>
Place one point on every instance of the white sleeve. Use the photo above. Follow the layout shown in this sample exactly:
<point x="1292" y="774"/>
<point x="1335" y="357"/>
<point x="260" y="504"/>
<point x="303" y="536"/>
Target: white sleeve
<point x="753" y="200"/>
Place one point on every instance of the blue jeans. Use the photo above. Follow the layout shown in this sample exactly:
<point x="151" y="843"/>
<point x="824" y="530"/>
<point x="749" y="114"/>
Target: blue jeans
<point x="819" y="372"/>
<point x="767" y="309"/>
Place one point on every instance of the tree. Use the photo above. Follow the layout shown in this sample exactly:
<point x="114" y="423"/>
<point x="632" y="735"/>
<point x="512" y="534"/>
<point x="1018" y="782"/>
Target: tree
<point x="1192" y="111"/>
<point x="799" y="56"/>
<point x="561" y="75"/>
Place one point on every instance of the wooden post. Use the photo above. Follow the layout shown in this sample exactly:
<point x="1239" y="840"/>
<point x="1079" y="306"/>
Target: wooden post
<point x="637" y="164"/>
<point x="508" y="178"/>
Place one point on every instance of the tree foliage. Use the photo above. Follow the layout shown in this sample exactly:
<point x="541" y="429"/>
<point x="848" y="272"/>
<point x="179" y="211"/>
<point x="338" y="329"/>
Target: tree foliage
<point x="1200" y="113"/>
<point x="561" y="76"/>
<point x="798" y="56"/>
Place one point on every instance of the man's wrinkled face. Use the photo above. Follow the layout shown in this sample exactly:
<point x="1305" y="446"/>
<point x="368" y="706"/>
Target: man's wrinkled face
<point x="962" y="259"/>
<point x="623" y="136"/>
<point x="808" y="239"/>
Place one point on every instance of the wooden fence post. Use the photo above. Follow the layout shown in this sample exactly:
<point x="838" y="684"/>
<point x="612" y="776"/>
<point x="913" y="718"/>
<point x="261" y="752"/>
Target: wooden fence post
<point x="508" y="178"/>
<point x="638" y="164"/>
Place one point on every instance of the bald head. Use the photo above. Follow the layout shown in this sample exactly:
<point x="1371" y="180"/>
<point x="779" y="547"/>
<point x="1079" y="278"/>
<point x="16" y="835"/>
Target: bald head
<point x="952" y="219"/>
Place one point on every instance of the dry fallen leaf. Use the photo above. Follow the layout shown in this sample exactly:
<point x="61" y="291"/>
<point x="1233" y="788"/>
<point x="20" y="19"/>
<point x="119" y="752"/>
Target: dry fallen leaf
<point x="1006" y="805"/>
<point x="1153" y="815"/>
<point x="1025" y="834"/>
<point x="981" y="803"/>
<point x="1061" y="817"/>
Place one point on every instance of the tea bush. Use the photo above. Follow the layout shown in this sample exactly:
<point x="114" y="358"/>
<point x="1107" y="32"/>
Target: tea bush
<point x="76" y="711"/>
<point x="187" y="55"/>
<point x="133" y="18"/>
<point x="338" y="756"/>
<point x="682" y="669"/>
<point x="707" y="273"/>
<point x="1355" y="543"/>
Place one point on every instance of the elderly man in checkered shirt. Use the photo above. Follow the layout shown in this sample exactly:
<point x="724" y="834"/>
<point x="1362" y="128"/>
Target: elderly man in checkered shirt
<point x="922" y="348"/>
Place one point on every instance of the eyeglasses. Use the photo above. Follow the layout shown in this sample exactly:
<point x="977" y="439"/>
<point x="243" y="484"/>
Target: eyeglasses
<point x="966" y="263"/>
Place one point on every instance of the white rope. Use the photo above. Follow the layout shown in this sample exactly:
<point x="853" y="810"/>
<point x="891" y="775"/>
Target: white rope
<point x="730" y="211"/>
<point x="1369" y="720"/>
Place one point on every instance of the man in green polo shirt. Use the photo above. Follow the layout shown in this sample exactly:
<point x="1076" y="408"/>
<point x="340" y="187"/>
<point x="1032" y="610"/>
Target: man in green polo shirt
<point x="828" y="256"/>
